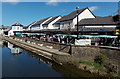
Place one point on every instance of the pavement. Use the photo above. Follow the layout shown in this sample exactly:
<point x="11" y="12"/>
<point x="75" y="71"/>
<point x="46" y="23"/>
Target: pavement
<point x="36" y="47"/>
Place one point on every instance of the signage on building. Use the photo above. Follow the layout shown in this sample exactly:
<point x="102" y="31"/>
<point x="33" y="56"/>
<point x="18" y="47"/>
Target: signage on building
<point x="83" y="42"/>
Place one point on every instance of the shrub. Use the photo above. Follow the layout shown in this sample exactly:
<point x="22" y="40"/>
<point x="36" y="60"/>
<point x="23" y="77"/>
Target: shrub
<point x="100" y="59"/>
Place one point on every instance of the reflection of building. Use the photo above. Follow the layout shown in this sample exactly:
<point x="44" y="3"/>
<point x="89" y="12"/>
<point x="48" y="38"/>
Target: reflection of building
<point x="14" y="50"/>
<point x="40" y="58"/>
<point x="1" y="43"/>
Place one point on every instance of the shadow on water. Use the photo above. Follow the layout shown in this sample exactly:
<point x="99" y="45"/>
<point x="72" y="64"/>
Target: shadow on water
<point x="65" y="71"/>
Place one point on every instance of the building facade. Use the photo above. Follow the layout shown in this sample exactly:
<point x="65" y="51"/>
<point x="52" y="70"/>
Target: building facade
<point x="15" y="27"/>
<point x="4" y="30"/>
<point x="38" y="25"/>
<point x="49" y="23"/>
<point x="98" y="25"/>
<point x="69" y="21"/>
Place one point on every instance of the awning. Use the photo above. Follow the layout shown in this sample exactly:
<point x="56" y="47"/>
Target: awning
<point x="34" y="33"/>
<point x="98" y="36"/>
<point x="61" y="35"/>
<point x="18" y="34"/>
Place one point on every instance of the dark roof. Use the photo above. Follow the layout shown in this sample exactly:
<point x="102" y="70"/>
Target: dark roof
<point x="17" y="24"/>
<point x="57" y="22"/>
<point x="5" y="27"/>
<point x="97" y="21"/>
<point x="97" y="29"/>
<point x="25" y="27"/>
<point x="41" y="21"/>
<point x="117" y="18"/>
<point x="72" y="15"/>
<point x="30" y="24"/>
<point x="49" y="21"/>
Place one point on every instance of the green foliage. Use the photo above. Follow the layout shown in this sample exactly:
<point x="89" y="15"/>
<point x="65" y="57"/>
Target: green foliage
<point x="100" y="59"/>
<point x="95" y="65"/>
<point x="117" y="75"/>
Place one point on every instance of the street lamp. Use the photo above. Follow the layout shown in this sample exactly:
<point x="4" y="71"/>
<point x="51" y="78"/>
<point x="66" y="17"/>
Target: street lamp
<point x="77" y="8"/>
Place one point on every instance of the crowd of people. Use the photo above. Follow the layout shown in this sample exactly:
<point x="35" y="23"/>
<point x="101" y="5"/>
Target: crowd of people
<point x="65" y="39"/>
<point x="69" y="39"/>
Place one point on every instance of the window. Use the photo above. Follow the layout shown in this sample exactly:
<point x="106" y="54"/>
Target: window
<point x="17" y="27"/>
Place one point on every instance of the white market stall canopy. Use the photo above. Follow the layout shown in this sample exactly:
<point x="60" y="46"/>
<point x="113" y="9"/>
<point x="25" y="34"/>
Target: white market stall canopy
<point x="98" y="36"/>
<point x="34" y="33"/>
<point x="89" y="36"/>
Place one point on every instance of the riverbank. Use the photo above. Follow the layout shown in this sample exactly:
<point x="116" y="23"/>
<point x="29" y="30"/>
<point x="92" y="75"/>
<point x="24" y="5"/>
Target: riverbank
<point x="78" y="58"/>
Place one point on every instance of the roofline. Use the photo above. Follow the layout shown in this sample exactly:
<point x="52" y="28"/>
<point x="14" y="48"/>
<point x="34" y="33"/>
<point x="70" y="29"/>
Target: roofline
<point x="94" y="24"/>
<point x="44" y="24"/>
<point x="91" y="12"/>
<point x="75" y="16"/>
<point x="52" y="21"/>
<point x="66" y="20"/>
<point x="43" y="21"/>
<point x="80" y="12"/>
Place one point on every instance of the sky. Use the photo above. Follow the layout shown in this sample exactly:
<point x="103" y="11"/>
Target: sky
<point x="28" y="12"/>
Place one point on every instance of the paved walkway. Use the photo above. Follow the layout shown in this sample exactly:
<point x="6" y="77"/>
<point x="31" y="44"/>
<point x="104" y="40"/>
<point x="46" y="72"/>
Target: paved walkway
<point x="109" y="47"/>
<point x="36" y="46"/>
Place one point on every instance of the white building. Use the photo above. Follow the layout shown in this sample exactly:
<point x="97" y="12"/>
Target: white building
<point x="49" y="23"/>
<point x="69" y="21"/>
<point x="103" y="25"/>
<point x="29" y="26"/>
<point x="38" y="25"/>
<point x="15" y="27"/>
<point x="4" y="29"/>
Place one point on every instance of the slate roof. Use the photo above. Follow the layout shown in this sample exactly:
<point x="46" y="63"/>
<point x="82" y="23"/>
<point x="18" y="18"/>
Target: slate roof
<point x="30" y="24"/>
<point x="97" y="29"/>
<point x="25" y="27"/>
<point x="98" y="21"/>
<point x="57" y="22"/>
<point x="49" y="21"/>
<point x="72" y="15"/>
<point x="17" y="24"/>
<point x="6" y="27"/>
<point x="41" y="21"/>
<point x="2" y="26"/>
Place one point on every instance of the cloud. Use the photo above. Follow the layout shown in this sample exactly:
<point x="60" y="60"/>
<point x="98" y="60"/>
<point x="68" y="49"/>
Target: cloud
<point x="14" y="2"/>
<point x="10" y="0"/>
<point x="55" y="2"/>
<point x="52" y="2"/>
<point x="93" y="8"/>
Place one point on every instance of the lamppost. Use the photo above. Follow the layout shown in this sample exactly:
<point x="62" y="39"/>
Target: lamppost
<point x="77" y="8"/>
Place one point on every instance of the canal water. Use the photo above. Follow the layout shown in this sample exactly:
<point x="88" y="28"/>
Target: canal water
<point x="17" y="62"/>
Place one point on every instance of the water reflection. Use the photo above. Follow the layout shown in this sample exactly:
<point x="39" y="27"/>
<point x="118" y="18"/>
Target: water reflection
<point x="1" y="43"/>
<point x="40" y="58"/>
<point x="28" y="64"/>
<point x="67" y="70"/>
<point x="15" y="50"/>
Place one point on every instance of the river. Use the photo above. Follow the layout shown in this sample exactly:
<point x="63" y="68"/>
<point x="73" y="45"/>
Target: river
<point x="17" y="62"/>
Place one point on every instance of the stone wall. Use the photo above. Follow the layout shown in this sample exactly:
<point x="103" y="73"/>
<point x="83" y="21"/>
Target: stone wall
<point x="82" y="53"/>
